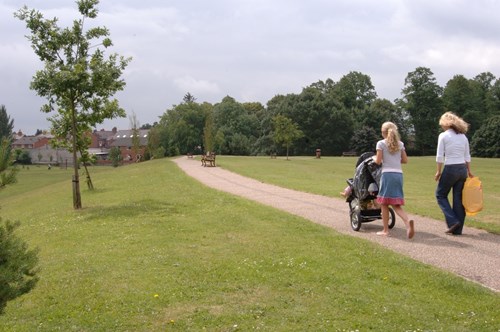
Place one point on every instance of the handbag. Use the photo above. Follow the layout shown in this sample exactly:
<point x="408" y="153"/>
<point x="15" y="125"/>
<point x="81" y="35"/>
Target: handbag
<point x="472" y="196"/>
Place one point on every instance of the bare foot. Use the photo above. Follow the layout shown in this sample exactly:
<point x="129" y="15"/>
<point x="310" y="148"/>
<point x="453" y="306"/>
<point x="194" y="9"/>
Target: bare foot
<point x="410" y="231"/>
<point x="382" y="233"/>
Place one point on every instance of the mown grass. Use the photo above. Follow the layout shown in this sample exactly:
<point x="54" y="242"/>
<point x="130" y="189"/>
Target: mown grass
<point x="327" y="175"/>
<point x="154" y="250"/>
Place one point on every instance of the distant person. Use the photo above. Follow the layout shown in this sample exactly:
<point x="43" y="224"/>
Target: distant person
<point x="452" y="152"/>
<point x="391" y="154"/>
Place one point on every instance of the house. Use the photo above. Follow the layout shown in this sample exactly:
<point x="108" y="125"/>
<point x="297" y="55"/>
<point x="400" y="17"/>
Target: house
<point x="123" y="139"/>
<point x="31" y="142"/>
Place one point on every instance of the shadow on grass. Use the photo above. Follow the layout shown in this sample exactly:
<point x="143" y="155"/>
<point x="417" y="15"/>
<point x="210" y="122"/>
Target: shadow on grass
<point x="128" y="210"/>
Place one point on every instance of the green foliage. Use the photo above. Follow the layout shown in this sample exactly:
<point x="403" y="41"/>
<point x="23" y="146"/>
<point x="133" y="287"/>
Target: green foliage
<point x="285" y="131"/>
<point x="77" y="80"/>
<point x="115" y="155"/>
<point x="18" y="265"/>
<point x="364" y="140"/>
<point x="22" y="157"/>
<point x="181" y="128"/>
<point x="333" y="116"/>
<point x="236" y="127"/>
<point x="486" y="140"/>
<point x="422" y="100"/>
<point x="7" y="171"/>
<point x="6" y="124"/>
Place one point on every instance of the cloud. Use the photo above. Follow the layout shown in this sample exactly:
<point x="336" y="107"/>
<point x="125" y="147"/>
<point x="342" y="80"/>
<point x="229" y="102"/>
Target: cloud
<point x="194" y="86"/>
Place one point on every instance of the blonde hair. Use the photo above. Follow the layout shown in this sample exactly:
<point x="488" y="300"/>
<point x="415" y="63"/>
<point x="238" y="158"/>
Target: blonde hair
<point x="453" y="121"/>
<point x="392" y="138"/>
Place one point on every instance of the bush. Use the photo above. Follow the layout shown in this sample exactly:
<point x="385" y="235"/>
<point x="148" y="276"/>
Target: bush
<point x="17" y="265"/>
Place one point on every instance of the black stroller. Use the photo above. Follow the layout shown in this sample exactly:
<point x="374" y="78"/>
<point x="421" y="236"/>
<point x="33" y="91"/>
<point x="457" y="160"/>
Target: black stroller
<point x="363" y="192"/>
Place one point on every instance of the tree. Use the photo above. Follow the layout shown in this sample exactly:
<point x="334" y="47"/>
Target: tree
<point x="364" y="140"/>
<point x="355" y="90"/>
<point x="136" y="140"/>
<point x="486" y="140"/>
<point x="7" y="172"/>
<point x="422" y="100"/>
<point x="6" y="123"/>
<point x="115" y="155"/>
<point x="285" y="131"/>
<point x="77" y="80"/>
<point x="18" y="265"/>
<point x="236" y="127"/>
<point x="466" y="98"/>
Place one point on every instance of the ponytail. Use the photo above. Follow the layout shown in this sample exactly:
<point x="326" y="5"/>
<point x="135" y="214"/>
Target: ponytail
<point x="392" y="138"/>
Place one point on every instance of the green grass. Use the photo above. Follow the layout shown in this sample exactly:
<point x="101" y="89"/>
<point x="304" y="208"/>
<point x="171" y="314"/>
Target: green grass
<point x="154" y="250"/>
<point x="326" y="176"/>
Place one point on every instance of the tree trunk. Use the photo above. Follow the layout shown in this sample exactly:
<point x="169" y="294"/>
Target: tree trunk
<point x="77" y="199"/>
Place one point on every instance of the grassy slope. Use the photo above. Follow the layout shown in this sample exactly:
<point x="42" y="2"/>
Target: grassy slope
<point x="326" y="176"/>
<point x="153" y="250"/>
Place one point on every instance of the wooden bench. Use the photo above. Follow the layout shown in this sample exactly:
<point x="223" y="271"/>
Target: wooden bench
<point x="349" y="154"/>
<point x="189" y="155"/>
<point x="208" y="160"/>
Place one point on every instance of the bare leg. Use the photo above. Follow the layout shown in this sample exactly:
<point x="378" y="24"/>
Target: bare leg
<point x="385" y="220"/>
<point x="410" y="229"/>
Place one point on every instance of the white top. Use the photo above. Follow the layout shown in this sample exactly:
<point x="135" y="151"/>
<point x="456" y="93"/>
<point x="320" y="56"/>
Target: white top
<point x="391" y="162"/>
<point x="452" y="148"/>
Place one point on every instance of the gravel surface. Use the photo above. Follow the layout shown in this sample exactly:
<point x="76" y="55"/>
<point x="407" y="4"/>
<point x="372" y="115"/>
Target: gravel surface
<point x="475" y="255"/>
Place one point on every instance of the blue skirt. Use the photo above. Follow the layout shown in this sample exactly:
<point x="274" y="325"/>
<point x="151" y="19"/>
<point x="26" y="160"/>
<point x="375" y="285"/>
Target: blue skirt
<point x="391" y="189"/>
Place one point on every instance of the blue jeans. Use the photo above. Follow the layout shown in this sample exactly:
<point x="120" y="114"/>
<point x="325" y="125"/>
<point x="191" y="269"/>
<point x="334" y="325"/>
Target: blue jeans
<point x="453" y="177"/>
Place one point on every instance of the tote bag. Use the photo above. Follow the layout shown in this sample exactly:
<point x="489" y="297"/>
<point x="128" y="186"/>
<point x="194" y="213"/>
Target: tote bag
<point x="472" y="196"/>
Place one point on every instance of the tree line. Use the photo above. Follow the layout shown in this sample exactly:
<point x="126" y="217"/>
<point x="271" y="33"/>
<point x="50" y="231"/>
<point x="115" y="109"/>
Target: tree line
<point x="335" y="117"/>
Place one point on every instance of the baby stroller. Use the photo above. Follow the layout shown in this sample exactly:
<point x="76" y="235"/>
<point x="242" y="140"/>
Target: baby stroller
<point x="363" y="193"/>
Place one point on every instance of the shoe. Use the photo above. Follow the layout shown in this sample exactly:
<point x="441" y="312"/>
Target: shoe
<point x="452" y="228"/>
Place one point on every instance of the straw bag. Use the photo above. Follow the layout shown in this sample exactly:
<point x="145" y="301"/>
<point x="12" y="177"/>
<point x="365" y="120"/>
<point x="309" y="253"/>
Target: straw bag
<point x="472" y="196"/>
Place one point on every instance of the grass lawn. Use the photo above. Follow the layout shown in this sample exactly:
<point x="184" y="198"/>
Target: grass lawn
<point x="327" y="175"/>
<point x="154" y="250"/>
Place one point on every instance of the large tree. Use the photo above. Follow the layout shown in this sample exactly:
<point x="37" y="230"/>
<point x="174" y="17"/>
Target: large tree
<point x="422" y="100"/>
<point x="486" y="140"/>
<point x="78" y="80"/>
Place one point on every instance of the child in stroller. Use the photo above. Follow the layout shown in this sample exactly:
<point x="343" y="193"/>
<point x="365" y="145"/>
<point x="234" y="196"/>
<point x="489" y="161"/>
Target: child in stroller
<point x="361" y="193"/>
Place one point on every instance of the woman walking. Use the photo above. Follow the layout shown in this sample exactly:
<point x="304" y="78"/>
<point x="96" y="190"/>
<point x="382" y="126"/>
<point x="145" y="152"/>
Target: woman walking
<point x="391" y="154"/>
<point x="453" y="152"/>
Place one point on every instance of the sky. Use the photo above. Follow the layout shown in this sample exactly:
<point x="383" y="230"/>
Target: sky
<point x="253" y="50"/>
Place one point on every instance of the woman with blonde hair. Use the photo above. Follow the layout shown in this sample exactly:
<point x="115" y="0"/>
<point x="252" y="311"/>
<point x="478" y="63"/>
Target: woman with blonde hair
<point x="454" y="153"/>
<point x="391" y="154"/>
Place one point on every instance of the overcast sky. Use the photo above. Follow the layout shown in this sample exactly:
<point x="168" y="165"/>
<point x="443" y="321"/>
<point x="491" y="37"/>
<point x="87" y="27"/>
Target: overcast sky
<point x="253" y="50"/>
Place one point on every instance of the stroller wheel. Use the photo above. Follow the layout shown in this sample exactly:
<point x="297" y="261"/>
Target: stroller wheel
<point x="356" y="219"/>
<point x="392" y="218"/>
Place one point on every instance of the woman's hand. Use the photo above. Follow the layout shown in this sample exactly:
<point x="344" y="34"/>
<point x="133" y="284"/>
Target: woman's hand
<point x="437" y="176"/>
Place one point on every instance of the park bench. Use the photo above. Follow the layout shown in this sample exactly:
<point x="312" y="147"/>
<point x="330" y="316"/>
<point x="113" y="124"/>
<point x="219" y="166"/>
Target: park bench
<point x="208" y="160"/>
<point x="349" y="154"/>
<point x="189" y="155"/>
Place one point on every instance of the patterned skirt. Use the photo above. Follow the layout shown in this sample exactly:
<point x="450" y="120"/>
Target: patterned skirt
<point x="391" y="189"/>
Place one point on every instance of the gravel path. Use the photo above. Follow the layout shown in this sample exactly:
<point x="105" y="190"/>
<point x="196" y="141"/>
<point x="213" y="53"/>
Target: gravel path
<point x="475" y="255"/>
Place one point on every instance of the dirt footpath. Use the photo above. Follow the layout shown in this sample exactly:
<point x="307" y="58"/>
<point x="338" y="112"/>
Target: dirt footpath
<point x="475" y="255"/>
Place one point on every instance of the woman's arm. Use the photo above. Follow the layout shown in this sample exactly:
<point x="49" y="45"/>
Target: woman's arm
<point x="404" y="157"/>
<point x="438" y="171"/>
<point x="378" y="157"/>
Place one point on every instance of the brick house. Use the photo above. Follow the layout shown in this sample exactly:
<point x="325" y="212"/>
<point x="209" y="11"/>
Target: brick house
<point x="123" y="139"/>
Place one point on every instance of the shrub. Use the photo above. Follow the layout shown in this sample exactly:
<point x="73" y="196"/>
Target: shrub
<point x="18" y="265"/>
